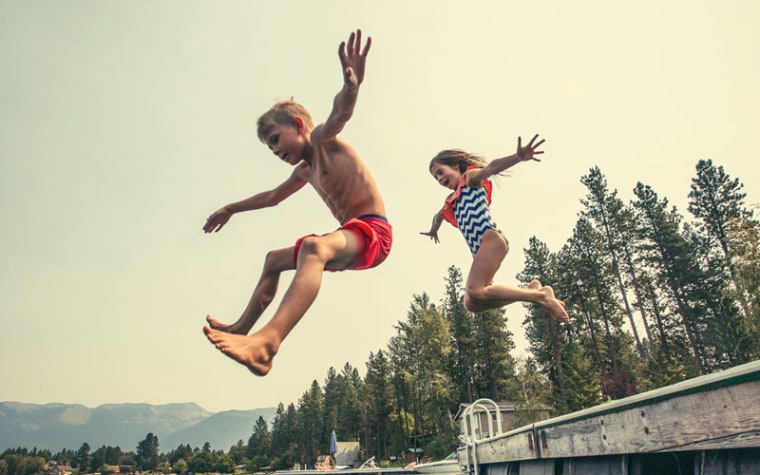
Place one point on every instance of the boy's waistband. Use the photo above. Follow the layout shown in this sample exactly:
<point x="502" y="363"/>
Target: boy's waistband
<point x="376" y="216"/>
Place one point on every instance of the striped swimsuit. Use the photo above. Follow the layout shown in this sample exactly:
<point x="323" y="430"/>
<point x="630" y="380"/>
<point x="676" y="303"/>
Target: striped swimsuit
<point x="468" y="210"/>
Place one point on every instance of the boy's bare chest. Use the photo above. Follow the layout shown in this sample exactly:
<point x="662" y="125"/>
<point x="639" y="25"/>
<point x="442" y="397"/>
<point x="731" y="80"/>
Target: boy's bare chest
<point x="327" y="172"/>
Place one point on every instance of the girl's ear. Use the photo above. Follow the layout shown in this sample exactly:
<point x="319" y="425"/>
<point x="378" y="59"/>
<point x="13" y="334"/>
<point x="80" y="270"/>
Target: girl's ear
<point x="298" y="122"/>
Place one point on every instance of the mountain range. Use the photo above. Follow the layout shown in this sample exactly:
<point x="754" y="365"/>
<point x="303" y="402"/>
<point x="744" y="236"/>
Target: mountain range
<point x="67" y="426"/>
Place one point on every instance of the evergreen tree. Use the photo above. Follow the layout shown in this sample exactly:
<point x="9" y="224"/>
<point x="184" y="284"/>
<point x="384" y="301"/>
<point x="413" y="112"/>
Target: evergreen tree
<point x="425" y="337"/>
<point x="463" y="339"/>
<point x="494" y="366"/>
<point x="718" y="203"/>
<point x="612" y="221"/>
<point x="380" y="404"/>
<point x="333" y="388"/>
<point x="82" y="458"/>
<point x="676" y="270"/>
<point x="744" y="241"/>
<point x="531" y="394"/>
<point x="147" y="452"/>
<point x="259" y="447"/>
<point x="596" y="278"/>
<point x="310" y="424"/>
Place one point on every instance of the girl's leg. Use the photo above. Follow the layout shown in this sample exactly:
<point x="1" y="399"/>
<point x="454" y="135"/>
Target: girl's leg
<point x="482" y="295"/>
<point x="275" y="263"/>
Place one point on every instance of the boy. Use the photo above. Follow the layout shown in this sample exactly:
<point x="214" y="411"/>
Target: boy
<point x="347" y="187"/>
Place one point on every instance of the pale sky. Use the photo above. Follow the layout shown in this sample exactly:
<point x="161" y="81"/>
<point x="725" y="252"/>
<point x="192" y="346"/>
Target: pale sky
<point x="123" y="125"/>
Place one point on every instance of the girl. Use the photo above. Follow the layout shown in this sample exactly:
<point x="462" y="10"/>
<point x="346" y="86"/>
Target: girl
<point x="467" y="208"/>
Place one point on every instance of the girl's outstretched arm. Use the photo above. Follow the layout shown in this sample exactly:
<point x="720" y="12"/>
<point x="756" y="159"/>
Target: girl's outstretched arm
<point x="434" y="227"/>
<point x="498" y="165"/>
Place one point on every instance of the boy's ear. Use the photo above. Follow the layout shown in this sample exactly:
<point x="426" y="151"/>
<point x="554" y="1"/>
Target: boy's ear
<point x="298" y="122"/>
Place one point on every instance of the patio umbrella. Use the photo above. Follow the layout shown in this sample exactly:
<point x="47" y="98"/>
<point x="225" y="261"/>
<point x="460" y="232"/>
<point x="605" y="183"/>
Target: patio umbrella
<point x="333" y="444"/>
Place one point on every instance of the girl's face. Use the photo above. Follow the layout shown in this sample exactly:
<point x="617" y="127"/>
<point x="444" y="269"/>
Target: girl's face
<point x="446" y="175"/>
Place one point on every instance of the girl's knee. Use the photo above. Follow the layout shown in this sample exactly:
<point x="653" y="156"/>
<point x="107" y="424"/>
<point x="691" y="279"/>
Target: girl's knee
<point x="473" y="299"/>
<point x="472" y="306"/>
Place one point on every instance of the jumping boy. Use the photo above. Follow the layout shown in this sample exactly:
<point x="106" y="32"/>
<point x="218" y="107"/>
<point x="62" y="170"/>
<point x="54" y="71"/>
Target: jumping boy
<point x="345" y="184"/>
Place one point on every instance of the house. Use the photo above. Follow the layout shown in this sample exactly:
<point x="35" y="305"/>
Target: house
<point x="348" y="454"/>
<point x="53" y="468"/>
<point x="413" y="454"/>
<point x="485" y="424"/>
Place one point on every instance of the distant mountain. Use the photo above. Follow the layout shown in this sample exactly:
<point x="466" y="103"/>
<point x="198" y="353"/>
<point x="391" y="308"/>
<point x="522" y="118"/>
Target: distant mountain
<point x="58" y="426"/>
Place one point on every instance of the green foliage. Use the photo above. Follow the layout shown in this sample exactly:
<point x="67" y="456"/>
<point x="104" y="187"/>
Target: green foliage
<point x="653" y="299"/>
<point x="147" y="452"/>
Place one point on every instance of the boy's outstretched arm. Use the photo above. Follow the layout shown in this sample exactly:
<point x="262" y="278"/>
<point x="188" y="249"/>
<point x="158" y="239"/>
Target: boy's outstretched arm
<point x="265" y="199"/>
<point x="352" y="59"/>
<point x="498" y="165"/>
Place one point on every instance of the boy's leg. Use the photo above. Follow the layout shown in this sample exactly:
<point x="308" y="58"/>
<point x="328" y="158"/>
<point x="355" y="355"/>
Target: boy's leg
<point x="481" y="295"/>
<point x="337" y="249"/>
<point x="275" y="263"/>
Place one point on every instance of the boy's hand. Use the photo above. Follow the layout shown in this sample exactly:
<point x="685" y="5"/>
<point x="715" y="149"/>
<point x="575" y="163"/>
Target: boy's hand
<point x="216" y="221"/>
<point x="352" y="60"/>
<point x="529" y="151"/>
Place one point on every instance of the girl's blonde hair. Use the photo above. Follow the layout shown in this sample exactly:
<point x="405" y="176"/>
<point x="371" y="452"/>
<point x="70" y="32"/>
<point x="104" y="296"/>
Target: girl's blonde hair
<point x="458" y="159"/>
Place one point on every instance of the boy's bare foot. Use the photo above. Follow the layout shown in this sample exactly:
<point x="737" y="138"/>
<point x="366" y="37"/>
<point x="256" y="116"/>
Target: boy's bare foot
<point x="254" y="352"/>
<point x="235" y="328"/>
<point x="554" y="306"/>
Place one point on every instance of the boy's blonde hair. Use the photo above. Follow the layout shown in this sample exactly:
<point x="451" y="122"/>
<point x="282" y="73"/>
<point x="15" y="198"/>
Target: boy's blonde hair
<point x="283" y="113"/>
<point x="458" y="159"/>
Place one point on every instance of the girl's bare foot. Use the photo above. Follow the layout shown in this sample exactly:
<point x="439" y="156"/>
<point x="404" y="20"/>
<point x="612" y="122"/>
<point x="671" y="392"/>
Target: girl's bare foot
<point x="255" y="352"/>
<point x="236" y="328"/>
<point x="554" y="306"/>
<point x="534" y="284"/>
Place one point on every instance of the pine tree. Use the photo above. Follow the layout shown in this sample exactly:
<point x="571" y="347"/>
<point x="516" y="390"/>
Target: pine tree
<point x="310" y="424"/>
<point x="717" y="201"/>
<point x="612" y="221"/>
<point x="672" y="257"/>
<point x="380" y="404"/>
<point x="259" y="445"/>
<point x="463" y="340"/>
<point x="147" y="452"/>
<point x="542" y="331"/>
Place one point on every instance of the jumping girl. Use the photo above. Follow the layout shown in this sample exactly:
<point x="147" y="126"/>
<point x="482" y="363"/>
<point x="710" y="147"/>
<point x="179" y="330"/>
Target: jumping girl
<point x="468" y="209"/>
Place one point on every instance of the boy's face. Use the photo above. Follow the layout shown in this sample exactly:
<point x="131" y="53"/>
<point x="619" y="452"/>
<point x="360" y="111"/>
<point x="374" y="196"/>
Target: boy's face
<point x="287" y="141"/>
<point x="446" y="175"/>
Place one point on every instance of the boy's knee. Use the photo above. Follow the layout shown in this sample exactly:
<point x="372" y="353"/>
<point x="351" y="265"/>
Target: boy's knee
<point x="313" y="246"/>
<point x="278" y="260"/>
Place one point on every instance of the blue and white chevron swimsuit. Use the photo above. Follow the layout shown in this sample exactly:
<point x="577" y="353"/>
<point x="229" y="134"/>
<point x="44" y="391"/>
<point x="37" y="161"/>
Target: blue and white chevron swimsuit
<point x="468" y="209"/>
<point x="473" y="216"/>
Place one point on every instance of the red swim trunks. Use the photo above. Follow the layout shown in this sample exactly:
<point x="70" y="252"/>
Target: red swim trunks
<point x="378" y="237"/>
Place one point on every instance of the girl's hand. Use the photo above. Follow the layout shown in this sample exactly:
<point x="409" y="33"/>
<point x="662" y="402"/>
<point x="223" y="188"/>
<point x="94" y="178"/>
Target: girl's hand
<point x="432" y="234"/>
<point x="529" y="151"/>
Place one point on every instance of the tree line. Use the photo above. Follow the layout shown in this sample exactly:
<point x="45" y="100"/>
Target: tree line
<point x="653" y="299"/>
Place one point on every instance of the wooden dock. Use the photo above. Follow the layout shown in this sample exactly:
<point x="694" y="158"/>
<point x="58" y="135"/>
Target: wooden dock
<point x="706" y="425"/>
<point x="350" y="471"/>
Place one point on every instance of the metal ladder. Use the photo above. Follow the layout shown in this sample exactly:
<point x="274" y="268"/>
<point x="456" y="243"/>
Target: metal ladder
<point x="473" y="433"/>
